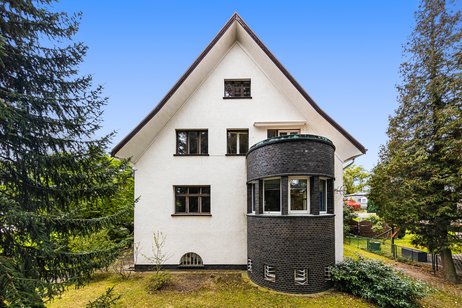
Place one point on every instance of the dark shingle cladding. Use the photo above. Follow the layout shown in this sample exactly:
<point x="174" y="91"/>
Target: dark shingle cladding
<point x="236" y="18"/>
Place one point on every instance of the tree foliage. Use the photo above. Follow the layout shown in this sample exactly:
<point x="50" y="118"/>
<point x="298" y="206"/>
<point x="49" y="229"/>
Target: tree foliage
<point x="355" y="179"/>
<point x="418" y="180"/>
<point x="54" y="173"/>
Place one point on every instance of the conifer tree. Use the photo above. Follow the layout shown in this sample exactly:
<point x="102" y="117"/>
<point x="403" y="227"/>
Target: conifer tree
<point x="53" y="170"/>
<point x="418" y="181"/>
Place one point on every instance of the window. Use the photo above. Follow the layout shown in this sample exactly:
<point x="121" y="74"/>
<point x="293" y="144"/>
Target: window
<point x="191" y="259"/>
<point x="237" y="89"/>
<point x="270" y="273"/>
<point x="192" y="199"/>
<point x="253" y="197"/>
<point x="249" y="265"/>
<point x="322" y="196"/>
<point x="298" y="188"/>
<point x="282" y="132"/>
<point x="238" y="141"/>
<point x="192" y="142"/>
<point x="301" y="276"/>
<point x="272" y="195"/>
<point x="327" y="273"/>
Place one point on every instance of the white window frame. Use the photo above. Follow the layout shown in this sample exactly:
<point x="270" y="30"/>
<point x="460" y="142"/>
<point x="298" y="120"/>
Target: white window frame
<point x="308" y="187"/>
<point x="289" y="131"/>
<point x="238" y="132"/>
<point x="280" y="196"/>
<point x="325" y="195"/>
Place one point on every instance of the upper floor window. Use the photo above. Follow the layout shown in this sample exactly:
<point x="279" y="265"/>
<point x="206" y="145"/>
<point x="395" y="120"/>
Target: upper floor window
<point x="192" y="142"/>
<point x="272" y="195"/>
<point x="237" y="88"/>
<point x="238" y="141"/>
<point x="282" y="132"/>
<point x="299" y="188"/>
<point x="322" y="196"/>
<point x="192" y="199"/>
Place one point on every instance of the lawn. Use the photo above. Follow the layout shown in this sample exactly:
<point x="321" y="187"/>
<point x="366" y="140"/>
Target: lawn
<point x="199" y="289"/>
<point x="233" y="289"/>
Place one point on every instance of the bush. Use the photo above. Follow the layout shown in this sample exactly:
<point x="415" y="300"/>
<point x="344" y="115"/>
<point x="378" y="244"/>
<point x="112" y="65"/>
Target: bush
<point x="158" y="280"/>
<point x="106" y="300"/>
<point x="377" y="283"/>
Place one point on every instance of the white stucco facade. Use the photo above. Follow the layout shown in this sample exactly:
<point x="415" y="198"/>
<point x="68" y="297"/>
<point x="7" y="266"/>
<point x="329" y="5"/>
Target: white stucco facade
<point x="221" y="238"/>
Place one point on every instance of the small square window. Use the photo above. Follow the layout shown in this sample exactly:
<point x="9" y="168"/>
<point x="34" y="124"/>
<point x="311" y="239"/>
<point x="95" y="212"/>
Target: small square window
<point x="237" y="89"/>
<point x="192" y="199"/>
<point x="191" y="142"/>
<point x="301" y="276"/>
<point x="237" y="141"/>
<point x="270" y="273"/>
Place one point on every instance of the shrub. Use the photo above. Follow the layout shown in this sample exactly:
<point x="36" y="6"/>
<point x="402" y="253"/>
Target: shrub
<point x="377" y="283"/>
<point x="106" y="300"/>
<point x="158" y="280"/>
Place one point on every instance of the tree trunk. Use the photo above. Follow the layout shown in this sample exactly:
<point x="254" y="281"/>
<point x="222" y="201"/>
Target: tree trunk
<point x="449" y="269"/>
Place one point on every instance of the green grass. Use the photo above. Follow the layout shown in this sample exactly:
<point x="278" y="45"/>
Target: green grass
<point x="224" y="289"/>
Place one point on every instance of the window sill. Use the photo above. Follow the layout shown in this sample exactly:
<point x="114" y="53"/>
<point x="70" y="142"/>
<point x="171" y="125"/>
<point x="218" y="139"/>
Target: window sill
<point x="235" y="154"/>
<point x="192" y="214"/>
<point x="190" y="154"/>
<point x="237" y="97"/>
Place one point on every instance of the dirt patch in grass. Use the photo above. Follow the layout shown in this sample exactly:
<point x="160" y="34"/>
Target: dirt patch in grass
<point x="185" y="282"/>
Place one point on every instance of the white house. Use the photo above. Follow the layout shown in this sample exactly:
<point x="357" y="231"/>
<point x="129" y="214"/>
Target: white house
<point x="238" y="167"/>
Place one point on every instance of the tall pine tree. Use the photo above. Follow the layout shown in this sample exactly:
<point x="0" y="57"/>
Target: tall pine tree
<point x="419" y="175"/>
<point x="53" y="170"/>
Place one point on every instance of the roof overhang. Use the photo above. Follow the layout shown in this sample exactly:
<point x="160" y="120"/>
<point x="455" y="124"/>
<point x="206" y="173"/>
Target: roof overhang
<point x="235" y="30"/>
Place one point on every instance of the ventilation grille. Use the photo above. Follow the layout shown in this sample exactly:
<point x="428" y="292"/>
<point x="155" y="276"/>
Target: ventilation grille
<point x="249" y="265"/>
<point x="327" y="273"/>
<point x="301" y="276"/>
<point x="191" y="259"/>
<point x="270" y="273"/>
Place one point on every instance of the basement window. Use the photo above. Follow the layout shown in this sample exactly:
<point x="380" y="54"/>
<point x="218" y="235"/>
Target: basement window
<point x="301" y="276"/>
<point x="270" y="273"/>
<point x="191" y="259"/>
<point x="327" y="273"/>
<point x="249" y="265"/>
<point x="237" y="88"/>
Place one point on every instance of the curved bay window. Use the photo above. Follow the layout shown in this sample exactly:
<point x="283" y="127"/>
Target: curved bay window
<point x="272" y="195"/>
<point x="298" y="189"/>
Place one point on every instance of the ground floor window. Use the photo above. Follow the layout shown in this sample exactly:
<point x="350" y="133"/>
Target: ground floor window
<point x="192" y="199"/>
<point x="272" y="195"/>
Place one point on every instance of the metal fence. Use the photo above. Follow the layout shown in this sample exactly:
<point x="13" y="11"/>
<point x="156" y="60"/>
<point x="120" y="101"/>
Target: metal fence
<point x="384" y="248"/>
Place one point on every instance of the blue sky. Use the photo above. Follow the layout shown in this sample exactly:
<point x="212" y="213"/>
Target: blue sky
<point x="346" y="54"/>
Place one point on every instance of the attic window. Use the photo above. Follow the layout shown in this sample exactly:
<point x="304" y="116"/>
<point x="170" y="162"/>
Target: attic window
<point x="237" y="89"/>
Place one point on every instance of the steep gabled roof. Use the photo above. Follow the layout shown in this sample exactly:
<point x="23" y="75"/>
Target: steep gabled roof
<point x="235" y="18"/>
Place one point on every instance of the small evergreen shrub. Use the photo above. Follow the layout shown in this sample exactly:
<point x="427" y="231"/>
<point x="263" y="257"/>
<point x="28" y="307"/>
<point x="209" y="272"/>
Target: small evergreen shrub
<point x="106" y="300"/>
<point x="158" y="280"/>
<point x="377" y="283"/>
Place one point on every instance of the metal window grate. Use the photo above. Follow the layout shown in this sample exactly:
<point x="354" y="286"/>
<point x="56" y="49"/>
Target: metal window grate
<point x="191" y="259"/>
<point x="301" y="276"/>
<point x="327" y="273"/>
<point x="249" y="265"/>
<point x="270" y="273"/>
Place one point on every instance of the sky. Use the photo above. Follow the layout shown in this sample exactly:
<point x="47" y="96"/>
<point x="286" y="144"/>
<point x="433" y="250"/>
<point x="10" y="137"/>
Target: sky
<point x="345" y="54"/>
